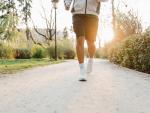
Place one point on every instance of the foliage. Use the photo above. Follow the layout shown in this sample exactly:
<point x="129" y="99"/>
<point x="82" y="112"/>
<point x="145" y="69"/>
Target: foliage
<point x="38" y="52"/>
<point x="101" y="52"/>
<point x="64" y="50"/>
<point x="25" y="9"/>
<point x="8" y="20"/>
<point x="133" y="52"/>
<point x="97" y="53"/>
<point x="11" y="66"/>
<point x="22" y="53"/>
<point x="67" y="49"/>
<point x="126" y="24"/>
<point x="6" y="52"/>
<point x="69" y="54"/>
<point x="26" y="15"/>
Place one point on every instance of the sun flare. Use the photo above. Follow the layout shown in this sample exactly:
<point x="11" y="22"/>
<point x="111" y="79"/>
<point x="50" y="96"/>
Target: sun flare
<point x="107" y="34"/>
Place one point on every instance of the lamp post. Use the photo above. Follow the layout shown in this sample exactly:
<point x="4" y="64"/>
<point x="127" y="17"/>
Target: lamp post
<point x="55" y="2"/>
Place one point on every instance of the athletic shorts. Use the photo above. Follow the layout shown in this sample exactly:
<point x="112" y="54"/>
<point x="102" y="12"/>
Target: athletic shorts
<point x="85" y="25"/>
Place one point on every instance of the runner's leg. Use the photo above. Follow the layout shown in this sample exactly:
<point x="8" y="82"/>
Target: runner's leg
<point x="91" y="52"/>
<point x="78" y="25"/>
<point x="91" y="32"/>
<point x="91" y="48"/>
<point x="80" y="49"/>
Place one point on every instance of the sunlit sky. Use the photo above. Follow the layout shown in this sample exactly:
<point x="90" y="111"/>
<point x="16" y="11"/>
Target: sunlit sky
<point x="64" y="18"/>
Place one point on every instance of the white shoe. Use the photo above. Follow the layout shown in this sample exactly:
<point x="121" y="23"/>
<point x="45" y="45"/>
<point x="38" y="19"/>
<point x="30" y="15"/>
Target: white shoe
<point x="89" y="66"/>
<point x="83" y="76"/>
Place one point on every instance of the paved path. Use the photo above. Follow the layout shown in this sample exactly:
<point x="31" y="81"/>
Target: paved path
<point x="55" y="89"/>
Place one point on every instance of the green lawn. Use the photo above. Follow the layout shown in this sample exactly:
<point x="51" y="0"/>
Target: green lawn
<point x="12" y="66"/>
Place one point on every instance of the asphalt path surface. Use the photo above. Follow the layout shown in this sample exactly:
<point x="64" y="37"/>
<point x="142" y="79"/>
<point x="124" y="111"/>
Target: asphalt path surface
<point x="56" y="89"/>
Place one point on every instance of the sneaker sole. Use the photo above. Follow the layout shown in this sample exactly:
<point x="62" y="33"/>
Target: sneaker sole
<point x="83" y="80"/>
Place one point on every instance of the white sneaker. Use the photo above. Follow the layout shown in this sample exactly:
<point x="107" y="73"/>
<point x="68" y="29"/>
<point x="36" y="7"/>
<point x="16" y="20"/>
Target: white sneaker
<point x="90" y="66"/>
<point x="83" y="76"/>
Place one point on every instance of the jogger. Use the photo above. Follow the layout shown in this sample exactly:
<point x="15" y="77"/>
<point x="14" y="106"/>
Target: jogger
<point x="85" y="25"/>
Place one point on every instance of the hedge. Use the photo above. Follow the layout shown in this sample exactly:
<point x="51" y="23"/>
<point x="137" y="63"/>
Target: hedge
<point x="65" y="50"/>
<point x="6" y="52"/>
<point x="38" y="52"/>
<point x="133" y="52"/>
<point x="22" y="53"/>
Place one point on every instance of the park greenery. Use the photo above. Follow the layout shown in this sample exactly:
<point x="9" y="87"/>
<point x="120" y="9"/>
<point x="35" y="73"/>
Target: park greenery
<point x="130" y="46"/>
<point x="9" y="66"/>
<point x="22" y="48"/>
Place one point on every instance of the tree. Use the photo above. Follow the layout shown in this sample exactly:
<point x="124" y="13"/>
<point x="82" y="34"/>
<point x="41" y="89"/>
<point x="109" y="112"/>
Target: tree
<point x="8" y="19"/>
<point x="49" y="30"/>
<point x="147" y="29"/>
<point x="124" y="24"/>
<point x="127" y="24"/>
<point x="113" y="15"/>
<point x="26" y="15"/>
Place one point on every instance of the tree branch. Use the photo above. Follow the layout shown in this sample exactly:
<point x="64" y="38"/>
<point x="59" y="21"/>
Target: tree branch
<point x="38" y="31"/>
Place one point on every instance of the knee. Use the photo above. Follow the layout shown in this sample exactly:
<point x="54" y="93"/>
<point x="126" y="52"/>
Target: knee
<point x="91" y="44"/>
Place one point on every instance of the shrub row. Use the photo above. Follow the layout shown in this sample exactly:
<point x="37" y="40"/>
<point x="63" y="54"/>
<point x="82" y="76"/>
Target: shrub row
<point x="133" y="52"/>
<point x="101" y="52"/>
<point x="64" y="50"/>
<point x="6" y="52"/>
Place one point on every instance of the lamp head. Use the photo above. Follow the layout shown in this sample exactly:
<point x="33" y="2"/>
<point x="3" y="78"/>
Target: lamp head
<point x="54" y="2"/>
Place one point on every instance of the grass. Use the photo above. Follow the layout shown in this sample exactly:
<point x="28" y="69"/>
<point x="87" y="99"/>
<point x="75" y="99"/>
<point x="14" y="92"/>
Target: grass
<point x="12" y="66"/>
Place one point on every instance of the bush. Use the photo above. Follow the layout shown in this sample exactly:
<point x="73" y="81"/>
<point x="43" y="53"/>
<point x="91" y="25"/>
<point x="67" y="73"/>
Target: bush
<point x="101" y="52"/>
<point x="22" y="53"/>
<point x="64" y="50"/>
<point x="133" y="52"/>
<point x="6" y="52"/>
<point x="51" y="52"/>
<point x="69" y="54"/>
<point x="97" y="53"/>
<point x="38" y="52"/>
<point x="114" y="54"/>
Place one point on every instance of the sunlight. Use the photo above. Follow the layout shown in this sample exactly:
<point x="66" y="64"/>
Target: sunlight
<point x="107" y="34"/>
